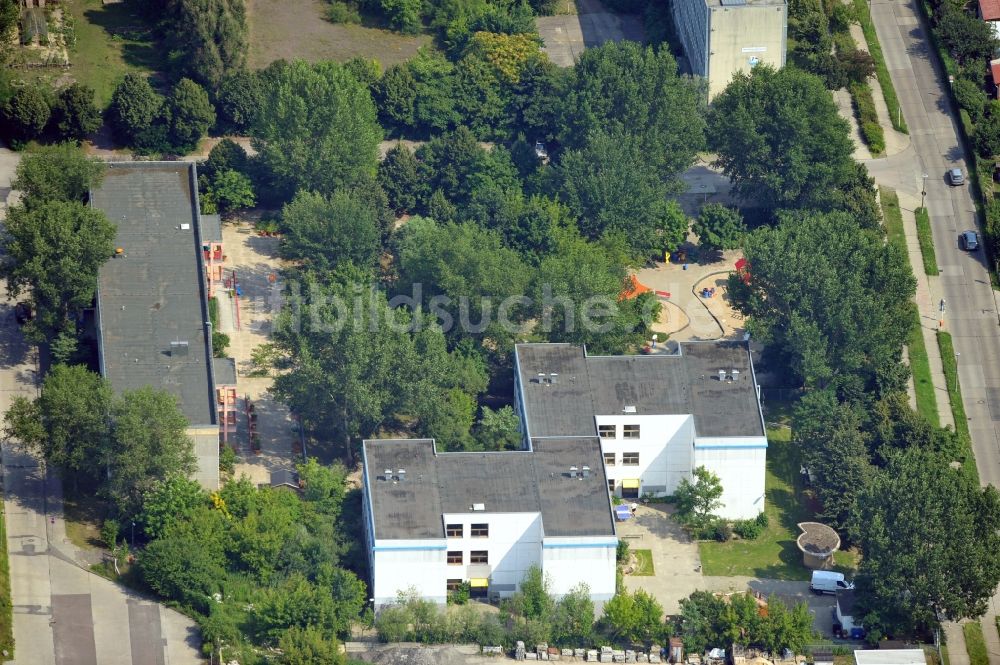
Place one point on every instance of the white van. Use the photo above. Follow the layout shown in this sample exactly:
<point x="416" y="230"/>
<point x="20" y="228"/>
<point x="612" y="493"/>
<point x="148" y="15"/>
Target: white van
<point x="825" y="581"/>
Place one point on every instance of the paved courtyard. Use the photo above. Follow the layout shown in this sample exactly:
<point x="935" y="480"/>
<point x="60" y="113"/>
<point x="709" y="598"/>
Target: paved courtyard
<point x="565" y="36"/>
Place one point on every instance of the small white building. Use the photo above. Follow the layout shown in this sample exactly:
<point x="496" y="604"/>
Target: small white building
<point x="437" y="519"/>
<point x="890" y="657"/>
<point x="657" y="416"/>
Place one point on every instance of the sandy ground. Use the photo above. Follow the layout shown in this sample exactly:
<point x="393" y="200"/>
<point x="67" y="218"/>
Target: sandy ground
<point x="247" y="321"/>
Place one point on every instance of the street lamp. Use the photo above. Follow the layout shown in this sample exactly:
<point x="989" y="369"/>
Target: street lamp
<point x="923" y="190"/>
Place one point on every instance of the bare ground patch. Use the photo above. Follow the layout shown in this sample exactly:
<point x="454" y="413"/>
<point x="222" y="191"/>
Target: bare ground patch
<point x="298" y="29"/>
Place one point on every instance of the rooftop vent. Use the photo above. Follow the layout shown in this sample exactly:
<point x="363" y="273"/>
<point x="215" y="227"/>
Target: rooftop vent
<point x="572" y="471"/>
<point x="185" y="227"/>
<point x="387" y="474"/>
<point x="178" y="348"/>
<point x="119" y="252"/>
<point x="478" y="507"/>
<point x="736" y="374"/>
<point x="540" y="378"/>
<point x="629" y="409"/>
<point x="585" y="473"/>
<point x="722" y="375"/>
<point x="553" y="378"/>
<point x="401" y="475"/>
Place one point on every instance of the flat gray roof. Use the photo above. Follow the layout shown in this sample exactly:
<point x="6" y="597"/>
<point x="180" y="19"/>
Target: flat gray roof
<point x="152" y="312"/>
<point x="438" y="483"/>
<point x="662" y="384"/>
<point x="225" y="371"/>
<point x="211" y="228"/>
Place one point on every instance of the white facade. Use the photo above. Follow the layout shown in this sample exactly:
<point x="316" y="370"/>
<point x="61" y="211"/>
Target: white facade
<point x="740" y="465"/>
<point x="658" y="458"/>
<point x="566" y="562"/>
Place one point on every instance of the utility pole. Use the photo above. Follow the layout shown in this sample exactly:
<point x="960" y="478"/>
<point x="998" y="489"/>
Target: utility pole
<point x="923" y="190"/>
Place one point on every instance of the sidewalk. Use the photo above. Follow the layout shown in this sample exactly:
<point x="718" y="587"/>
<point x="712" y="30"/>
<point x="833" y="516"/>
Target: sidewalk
<point x="928" y="298"/>
<point x="895" y="142"/>
<point x="955" y="639"/>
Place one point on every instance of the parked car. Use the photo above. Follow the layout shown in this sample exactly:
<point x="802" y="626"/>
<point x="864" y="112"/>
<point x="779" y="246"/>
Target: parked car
<point x="22" y="313"/>
<point x="969" y="241"/>
<point x="956" y="177"/>
<point x="827" y="581"/>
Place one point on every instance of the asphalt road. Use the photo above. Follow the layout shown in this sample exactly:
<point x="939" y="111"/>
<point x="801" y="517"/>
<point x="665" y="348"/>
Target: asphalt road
<point x="971" y="308"/>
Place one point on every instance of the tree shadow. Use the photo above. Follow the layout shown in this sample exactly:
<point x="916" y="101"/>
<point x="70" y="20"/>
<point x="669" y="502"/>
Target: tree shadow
<point x="139" y="44"/>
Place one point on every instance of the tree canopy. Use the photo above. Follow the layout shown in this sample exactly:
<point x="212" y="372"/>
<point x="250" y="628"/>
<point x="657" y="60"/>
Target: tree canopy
<point x="60" y="172"/>
<point x="322" y="232"/>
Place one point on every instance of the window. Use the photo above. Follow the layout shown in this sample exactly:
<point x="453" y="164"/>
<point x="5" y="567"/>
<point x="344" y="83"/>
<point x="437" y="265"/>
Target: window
<point x="609" y="459"/>
<point x="454" y="585"/>
<point x="479" y="530"/>
<point x="630" y="459"/>
<point x="454" y="530"/>
<point x="607" y="431"/>
<point x="479" y="556"/>
<point x="454" y="558"/>
<point x="611" y="485"/>
<point x="630" y="431"/>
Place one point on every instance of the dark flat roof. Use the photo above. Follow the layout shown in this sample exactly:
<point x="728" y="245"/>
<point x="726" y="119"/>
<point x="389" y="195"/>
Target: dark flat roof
<point x="211" y="228"/>
<point x="225" y="371"/>
<point x="504" y="482"/>
<point x="152" y="309"/>
<point x="661" y="384"/>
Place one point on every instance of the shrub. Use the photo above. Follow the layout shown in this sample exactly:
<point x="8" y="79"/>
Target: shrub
<point x="227" y="460"/>
<point x="459" y="596"/>
<point x="970" y="97"/>
<point x="747" y="529"/>
<point x="874" y="137"/>
<point x="342" y="12"/>
<point x="109" y="533"/>
<point x="220" y="342"/>
<point x="722" y="531"/>
<point x="763" y="520"/>
<point x="622" y="552"/>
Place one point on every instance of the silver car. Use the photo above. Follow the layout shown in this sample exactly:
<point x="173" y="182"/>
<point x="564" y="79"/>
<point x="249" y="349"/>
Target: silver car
<point x="956" y="177"/>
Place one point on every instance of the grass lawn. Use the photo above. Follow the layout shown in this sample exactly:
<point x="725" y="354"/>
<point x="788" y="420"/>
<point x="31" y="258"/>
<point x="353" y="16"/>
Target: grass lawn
<point x="773" y="554"/>
<point x="955" y="397"/>
<point x="920" y="366"/>
<point x="84" y="516"/>
<point x="110" y="41"/>
<point x="881" y="70"/>
<point x="975" y="645"/>
<point x="644" y="561"/>
<point x="926" y="241"/>
<point x="6" y="607"/>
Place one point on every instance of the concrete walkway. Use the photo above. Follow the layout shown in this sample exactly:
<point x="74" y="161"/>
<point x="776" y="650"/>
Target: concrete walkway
<point x="928" y="297"/>
<point x="955" y="639"/>
<point x="895" y="142"/>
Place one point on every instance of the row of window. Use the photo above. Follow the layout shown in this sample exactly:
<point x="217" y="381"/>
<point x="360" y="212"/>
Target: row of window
<point x="475" y="530"/>
<point x="611" y="431"/>
<point x="457" y="557"/>
<point x="628" y="459"/>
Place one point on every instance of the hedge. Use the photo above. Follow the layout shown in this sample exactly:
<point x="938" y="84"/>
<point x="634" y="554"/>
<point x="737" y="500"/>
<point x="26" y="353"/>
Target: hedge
<point x="926" y="240"/>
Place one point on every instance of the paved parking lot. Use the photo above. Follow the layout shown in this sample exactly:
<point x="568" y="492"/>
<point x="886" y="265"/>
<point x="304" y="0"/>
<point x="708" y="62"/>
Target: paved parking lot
<point x="566" y="36"/>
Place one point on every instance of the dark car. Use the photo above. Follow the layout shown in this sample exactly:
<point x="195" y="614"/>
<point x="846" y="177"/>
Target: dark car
<point x="22" y="313"/>
<point x="969" y="241"/>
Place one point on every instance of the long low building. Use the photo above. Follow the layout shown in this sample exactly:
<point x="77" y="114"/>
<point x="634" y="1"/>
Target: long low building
<point x="152" y="318"/>
<point x="435" y="520"/>
<point x="657" y="416"/>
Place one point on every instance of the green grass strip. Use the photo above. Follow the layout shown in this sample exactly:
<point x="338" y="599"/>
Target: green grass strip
<point x="881" y="69"/>
<point x="926" y="240"/>
<point x="920" y="364"/>
<point x="975" y="644"/>
<point x="955" y="397"/>
<point x="6" y="606"/>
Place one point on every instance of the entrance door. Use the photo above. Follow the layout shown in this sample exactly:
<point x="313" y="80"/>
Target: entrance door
<point x="479" y="587"/>
<point x="630" y="488"/>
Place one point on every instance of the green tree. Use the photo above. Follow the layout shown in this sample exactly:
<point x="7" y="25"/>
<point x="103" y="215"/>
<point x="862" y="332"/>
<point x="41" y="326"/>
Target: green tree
<point x="187" y="564"/>
<point x="835" y="451"/>
<point x="930" y="536"/>
<point x="67" y="423"/>
<point x="633" y="616"/>
<point x="207" y="38"/>
<point x="148" y="443"/>
<point x="499" y="429"/>
<point x="779" y="138"/>
<point x="401" y="176"/>
<point x="318" y="131"/>
<point x="719" y="227"/>
<point x="26" y="113"/>
<point x="970" y="96"/>
<point x="226" y="155"/>
<point x="54" y="250"/>
<point x="239" y="100"/>
<point x="609" y="184"/>
<point x="396" y="95"/>
<point x="533" y="601"/>
<point x="698" y="500"/>
<point x="403" y="15"/>
<point x="458" y="166"/>
<point x="134" y="109"/>
<point x="434" y="80"/>
<point x="74" y="114"/>
<point x="576" y="295"/>
<point x="829" y="296"/>
<point x="622" y="86"/>
<point x="231" y="190"/>
<point x="702" y="621"/>
<point x="573" y="618"/>
<point x="323" y="232"/>
<point x="967" y="37"/>
<point x="987" y="132"/>
<point x="10" y="15"/>
<point x="168" y="501"/>
<point x="309" y="646"/>
<point x="60" y="172"/>
<point x="191" y="114"/>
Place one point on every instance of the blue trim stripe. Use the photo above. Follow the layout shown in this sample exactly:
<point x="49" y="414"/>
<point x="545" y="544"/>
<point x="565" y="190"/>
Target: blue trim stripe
<point x="408" y="548"/>
<point x="601" y="544"/>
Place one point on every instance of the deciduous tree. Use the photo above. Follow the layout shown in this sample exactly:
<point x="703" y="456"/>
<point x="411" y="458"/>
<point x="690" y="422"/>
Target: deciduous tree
<point x="719" y="227"/>
<point x="26" y="114"/>
<point x="698" y="500"/>
<point x="323" y="232"/>
<point x="74" y="114"/>
<point x="135" y="106"/>
<point x="191" y="114"/>
<point x="60" y="172"/>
